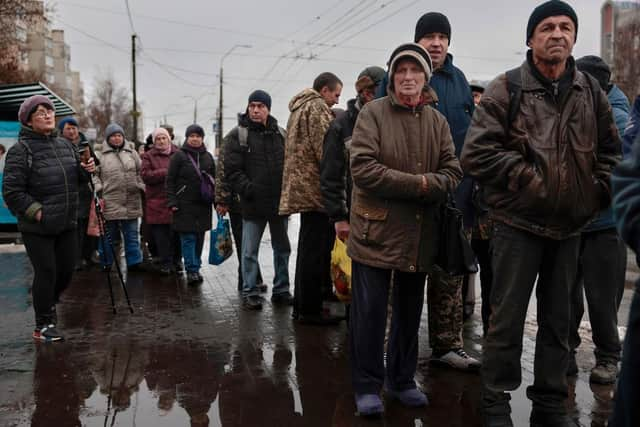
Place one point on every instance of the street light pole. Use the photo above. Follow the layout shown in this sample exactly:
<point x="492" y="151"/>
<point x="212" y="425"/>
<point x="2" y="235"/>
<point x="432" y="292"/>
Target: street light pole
<point x="219" y="139"/>
<point x="195" y="111"/>
<point x="220" y="108"/>
<point x="134" y="112"/>
<point x="195" y="107"/>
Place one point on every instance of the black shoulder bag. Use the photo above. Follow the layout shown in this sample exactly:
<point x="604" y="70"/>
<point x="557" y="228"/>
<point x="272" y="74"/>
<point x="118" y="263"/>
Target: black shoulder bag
<point x="455" y="255"/>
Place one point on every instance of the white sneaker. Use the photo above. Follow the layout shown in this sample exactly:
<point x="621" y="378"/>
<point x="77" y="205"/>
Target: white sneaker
<point x="458" y="359"/>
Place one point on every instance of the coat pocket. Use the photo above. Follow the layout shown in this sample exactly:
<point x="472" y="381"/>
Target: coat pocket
<point x="370" y="223"/>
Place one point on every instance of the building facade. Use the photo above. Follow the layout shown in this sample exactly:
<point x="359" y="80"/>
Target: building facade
<point x="620" y="43"/>
<point x="40" y="53"/>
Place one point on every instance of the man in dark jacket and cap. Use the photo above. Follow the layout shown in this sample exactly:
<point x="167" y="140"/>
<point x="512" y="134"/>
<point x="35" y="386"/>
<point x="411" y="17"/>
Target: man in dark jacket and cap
<point x="254" y="162"/>
<point x="335" y="176"/>
<point x="603" y="259"/>
<point x="69" y="130"/>
<point x="545" y="171"/>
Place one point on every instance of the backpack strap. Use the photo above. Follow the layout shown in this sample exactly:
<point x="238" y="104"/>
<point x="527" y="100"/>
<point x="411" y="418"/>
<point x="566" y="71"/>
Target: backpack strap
<point x="196" y="166"/>
<point x="594" y="86"/>
<point x="243" y="136"/>
<point x="29" y="154"/>
<point x="283" y="133"/>
<point x="514" y="87"/>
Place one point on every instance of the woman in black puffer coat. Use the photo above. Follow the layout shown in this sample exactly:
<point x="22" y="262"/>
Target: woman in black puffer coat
<point x="40" y="186"/>
<point x="191" y="214"/>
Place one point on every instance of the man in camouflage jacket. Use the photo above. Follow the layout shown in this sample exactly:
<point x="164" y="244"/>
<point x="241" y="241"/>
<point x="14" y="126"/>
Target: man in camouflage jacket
<point x="309" y="120"/>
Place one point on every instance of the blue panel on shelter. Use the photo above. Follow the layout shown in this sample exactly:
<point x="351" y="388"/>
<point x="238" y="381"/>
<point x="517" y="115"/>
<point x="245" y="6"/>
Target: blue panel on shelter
<point x="8" y="136"/>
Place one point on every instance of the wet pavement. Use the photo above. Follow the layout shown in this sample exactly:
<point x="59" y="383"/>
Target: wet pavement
<point x="192" y="356"/>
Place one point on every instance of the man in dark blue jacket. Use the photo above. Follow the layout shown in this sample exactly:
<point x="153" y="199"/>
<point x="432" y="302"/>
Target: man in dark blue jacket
<point x="602" y="262"/>
<point x="626" y="204"/>
<point x="455" y="102"/>
<point x="632" y="130"/>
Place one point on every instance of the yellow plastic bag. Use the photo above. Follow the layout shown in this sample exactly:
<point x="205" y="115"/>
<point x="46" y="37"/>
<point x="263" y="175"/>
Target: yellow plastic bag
<point x="341" y="271"/>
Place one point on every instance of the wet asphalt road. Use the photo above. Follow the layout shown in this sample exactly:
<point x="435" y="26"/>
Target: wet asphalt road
<point x="192" y="356"/>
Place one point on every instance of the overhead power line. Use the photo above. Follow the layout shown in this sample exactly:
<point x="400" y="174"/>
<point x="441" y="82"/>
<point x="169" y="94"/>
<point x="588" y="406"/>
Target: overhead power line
<point x="307" y="24"/>
<point x="333" y="24"/>
<point x="120" y="49"/>
<point x="368" y="27"/>
<point x="334" y="34"/>
<point x="192" y="25"/>
<point x="133" y="30"/>
<point x="386" y="17"/>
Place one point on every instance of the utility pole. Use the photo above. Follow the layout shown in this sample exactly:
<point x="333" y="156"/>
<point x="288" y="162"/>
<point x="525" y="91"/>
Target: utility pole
<point x="219" y="141"/>
<point x="134" y="113"/>
<point x="195" y="111"/>
<point x="220" y="112"/>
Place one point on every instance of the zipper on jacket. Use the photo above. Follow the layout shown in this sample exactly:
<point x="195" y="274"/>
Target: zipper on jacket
<point x="558" y="148"/>
<point x="66" y="181"/>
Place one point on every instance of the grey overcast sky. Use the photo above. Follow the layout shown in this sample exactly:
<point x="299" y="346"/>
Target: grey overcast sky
<point x="182" y="43"/>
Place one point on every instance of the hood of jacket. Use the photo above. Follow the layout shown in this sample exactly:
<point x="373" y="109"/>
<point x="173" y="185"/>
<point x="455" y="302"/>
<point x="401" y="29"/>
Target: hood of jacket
<point x="302" y="98"/>
<point x="618" y="99"/>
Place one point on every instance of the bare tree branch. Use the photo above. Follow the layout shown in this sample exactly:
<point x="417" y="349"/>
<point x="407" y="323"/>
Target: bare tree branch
<point x="109" y="103"/>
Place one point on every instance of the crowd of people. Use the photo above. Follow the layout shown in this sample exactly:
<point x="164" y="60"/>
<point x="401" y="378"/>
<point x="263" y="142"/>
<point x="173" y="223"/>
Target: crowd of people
<point x="528" y="159"/>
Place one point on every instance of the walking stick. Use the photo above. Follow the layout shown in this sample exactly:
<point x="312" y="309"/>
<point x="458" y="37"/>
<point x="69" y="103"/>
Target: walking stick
<point x="104" y="233"/>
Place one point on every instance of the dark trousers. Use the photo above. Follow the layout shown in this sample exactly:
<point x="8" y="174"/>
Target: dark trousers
<point x="313" y="262"/>
<point x="518" y="257"/>
<point x="601" y="273"/>
<point x="483" y="254"/>
<point x="53" y="259"/>
<point x="367" y="325"/>
<point x="627" y="411"/>
<point x="81" y="233"/>
<point x="236" y="230"/>
<point x="167" y="243"/>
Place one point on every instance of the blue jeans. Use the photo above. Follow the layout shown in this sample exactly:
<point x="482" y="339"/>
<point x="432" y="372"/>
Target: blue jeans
<point x="129" y="230"/>
<point x="252" y="230"/>
<point x="192" y="251"/>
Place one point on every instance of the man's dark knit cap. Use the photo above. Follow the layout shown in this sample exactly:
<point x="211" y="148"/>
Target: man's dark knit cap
<point x="596" y="67"/>
<point x="66" y="120"/>
<point x="194" y="128"/>
<point x="547" y="9"/>
<point x="260" y="96"/>
<point x="432" y="22"/>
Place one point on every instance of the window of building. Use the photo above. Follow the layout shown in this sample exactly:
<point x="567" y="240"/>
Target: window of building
<point x="48" y="44"/>
<point x="51" y="79"/>
<point x="48" y="60"/>
<point x="21" y="34"/>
